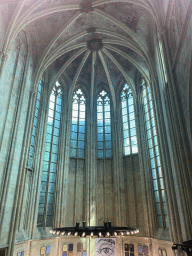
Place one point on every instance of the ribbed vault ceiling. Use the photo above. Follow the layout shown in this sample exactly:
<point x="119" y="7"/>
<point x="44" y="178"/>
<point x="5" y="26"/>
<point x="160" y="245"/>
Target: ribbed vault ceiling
<point x="88" y="42"/>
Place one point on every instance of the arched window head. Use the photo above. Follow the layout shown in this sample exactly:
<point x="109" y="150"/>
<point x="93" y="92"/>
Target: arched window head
<point x="104" y="148"/>
<point x="50" y="160"/>
<point x="155" y="160"/>
<point x="78" y="125"/>
<point x="128" y="119"/>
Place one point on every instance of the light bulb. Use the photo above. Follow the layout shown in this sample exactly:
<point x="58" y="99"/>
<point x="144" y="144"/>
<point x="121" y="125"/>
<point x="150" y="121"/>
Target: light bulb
<point x="76" y="233"/>
<point x="100" y="234"/>
<point x="115" y="233"/>
<point x="91" y="233"/>
<point x="62" y="233"/>
<point x="58" y="232"/>
<point x="50" y="231"/>
<point x="132" y="232"/>
<point x="69" y="233"/>
<point x="122" y="233"/>
<point x="83" y="234"/>
<point x="108" y="233"/>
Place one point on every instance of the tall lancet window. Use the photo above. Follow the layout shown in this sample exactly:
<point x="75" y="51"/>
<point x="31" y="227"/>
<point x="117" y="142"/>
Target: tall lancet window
<point x="29" y="165"/>
<point x="128" y="118"/>
<point x="46" y="200"/>
<point x="78" y="125"/>
<point x="154" y="157"/>
<point x="103" y="125"/>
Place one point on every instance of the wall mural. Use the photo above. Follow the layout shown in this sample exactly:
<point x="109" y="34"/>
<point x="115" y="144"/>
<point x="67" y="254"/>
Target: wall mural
<point x="105" y="247"/>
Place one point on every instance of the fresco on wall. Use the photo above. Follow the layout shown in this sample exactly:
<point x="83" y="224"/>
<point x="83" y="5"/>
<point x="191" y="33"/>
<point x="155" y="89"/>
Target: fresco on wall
<point x="105" y="247"/>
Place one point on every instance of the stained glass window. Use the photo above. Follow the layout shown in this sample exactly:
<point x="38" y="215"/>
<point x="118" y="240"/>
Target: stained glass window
<point x="29" y="165"/>
<point x="50" y="159"/>
<point x="104" y="147"/>
<point x="78" y="125"/>
<point x="154" y="157"/>
<point x="128" y="119"/>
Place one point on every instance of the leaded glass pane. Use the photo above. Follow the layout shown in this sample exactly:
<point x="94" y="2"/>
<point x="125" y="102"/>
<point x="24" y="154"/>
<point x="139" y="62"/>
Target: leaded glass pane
<point x="134" y="140"/>
<point x="54" y="158"/>
<point x="126" y="150"/>
<point x="49" y="128"/>
<point x="108" y="129"/>
<point x="80" y="152"/>
<point x="49" y="210"/>
<point x="108" y="152"/>
<point x="155" y="185"/>
<point x="82" y="136"/>
<point x="134" y="149"/>
<point x="45" y="165"/>
<point x="100" y="145"/>
<point x="154" y="173"/>
<point x="73" y="136"/>
<point x="56" y="131"/>
<point x="50" y="198"/>
<point x="73" y="152"/>
<point x="54" y="148"/>
<point x="74" y="128"/>
<point x="99" y="137"/>
<point x="47" y="146"/>
<point x="41" y="211"/>
<point x="44" y="176"/>
<point x="51" y="187"/>
<point x="46" y="156"/>
<point x="81" y="129"/>
<point x="157" y="196"/>
<point x="81" y="145"/>
<point x="100" y="153"/>
<point x="126" y="142"/>
<point x="108" y="144"/>
<point x="100" y="130"/>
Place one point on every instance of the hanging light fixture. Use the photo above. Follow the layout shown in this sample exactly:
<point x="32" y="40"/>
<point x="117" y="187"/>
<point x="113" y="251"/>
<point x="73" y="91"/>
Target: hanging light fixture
<point x="100" y="231"/>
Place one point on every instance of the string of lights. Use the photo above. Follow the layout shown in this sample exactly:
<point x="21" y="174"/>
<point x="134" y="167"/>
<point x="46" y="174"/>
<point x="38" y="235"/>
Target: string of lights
<point x="100" y="231"/>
